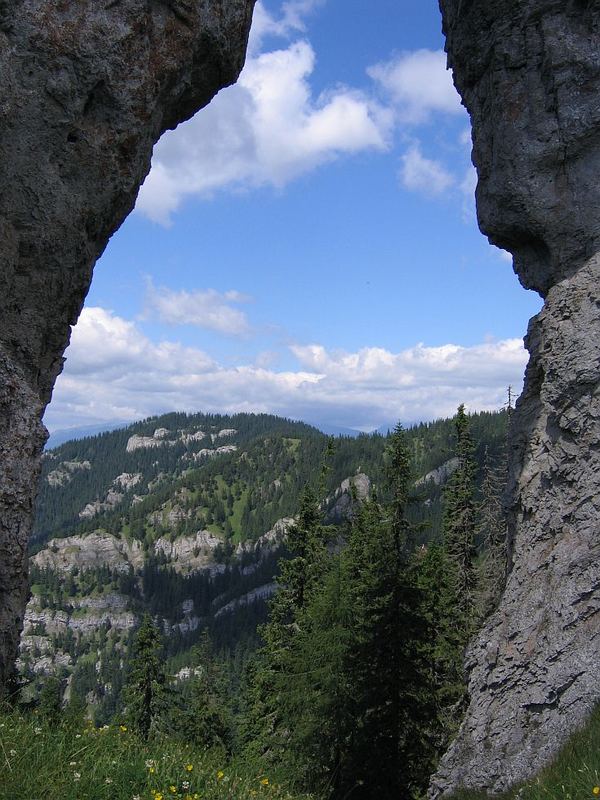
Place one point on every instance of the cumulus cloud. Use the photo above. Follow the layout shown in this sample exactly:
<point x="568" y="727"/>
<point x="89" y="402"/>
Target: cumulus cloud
<point x="271" y="127"/>
<point x="419" y="85"/>
<point x="114" y="372"/>
<point x="204" y="308"/>
<point x="424" y="175"/>
<point x="292" y="20"/>
<point x="503" y="255"/>
<point x="266" y="130"/>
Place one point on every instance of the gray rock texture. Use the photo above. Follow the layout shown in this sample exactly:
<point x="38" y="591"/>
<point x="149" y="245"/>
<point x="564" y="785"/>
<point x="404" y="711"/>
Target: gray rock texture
<point x="86" y="89"/>
<point x="94" y="551"/>
<point x="529" y="74"/>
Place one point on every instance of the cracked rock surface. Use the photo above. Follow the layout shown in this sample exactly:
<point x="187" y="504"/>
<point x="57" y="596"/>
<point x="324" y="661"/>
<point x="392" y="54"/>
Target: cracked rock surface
<point x="86" y="89"/>
<point x="529" y="74"/>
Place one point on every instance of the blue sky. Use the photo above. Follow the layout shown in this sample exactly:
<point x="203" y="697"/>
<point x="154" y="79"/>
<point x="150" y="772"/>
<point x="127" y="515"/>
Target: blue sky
<point x="307" y="244"/>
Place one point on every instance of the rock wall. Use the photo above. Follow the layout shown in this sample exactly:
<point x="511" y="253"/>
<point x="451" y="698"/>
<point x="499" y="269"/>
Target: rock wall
<point x="86" y="89"/>
<point x="529" y="74"/>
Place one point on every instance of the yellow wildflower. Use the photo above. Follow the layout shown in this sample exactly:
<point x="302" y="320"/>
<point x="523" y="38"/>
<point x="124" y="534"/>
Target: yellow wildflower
<point x="265" y="782"/>
<point x="122" y="728"/>
<point x="189" y="767"/>
<point x="596" y="790"/>
<point x="158" y="797"/>
<point x="151" y="770"/>
<point x="173" y="789"/>
<point x="220" y="775"/>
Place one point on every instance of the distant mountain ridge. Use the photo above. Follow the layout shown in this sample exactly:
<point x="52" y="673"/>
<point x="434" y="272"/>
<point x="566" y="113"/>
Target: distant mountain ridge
<point x="63" y="435"/>
<point x="58" y="437"/>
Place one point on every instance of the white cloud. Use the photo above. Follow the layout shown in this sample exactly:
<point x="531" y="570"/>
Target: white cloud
<point x="419" y="85"/>
<point x="205" y="308"/>
<point x="265" y="130"/>
<point x="467" y="187"/>
<point x="503" y="255"/>
<point x="292" y="20"/>
<point x="114" y="372"/>
<point x="424" y="175"/>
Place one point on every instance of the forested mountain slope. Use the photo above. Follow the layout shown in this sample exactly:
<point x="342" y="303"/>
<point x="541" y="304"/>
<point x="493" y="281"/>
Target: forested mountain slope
<point x="186" y="516"/>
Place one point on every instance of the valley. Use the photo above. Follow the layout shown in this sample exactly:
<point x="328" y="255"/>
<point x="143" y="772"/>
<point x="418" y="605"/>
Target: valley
<point x="186" y="516"/>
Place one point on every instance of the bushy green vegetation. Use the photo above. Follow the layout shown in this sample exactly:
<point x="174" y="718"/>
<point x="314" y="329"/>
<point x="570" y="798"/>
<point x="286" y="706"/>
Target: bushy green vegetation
<point x="358" y="682"/>
<point x="70" y="760"/>
<point x="362" y="662"/>
<point x="238" y="495"/>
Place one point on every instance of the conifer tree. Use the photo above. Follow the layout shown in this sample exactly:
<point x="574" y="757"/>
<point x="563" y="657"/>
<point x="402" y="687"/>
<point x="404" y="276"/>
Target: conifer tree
<point x="390" y="673"/>
<point x="317" y="703"/>
<point x="492" y="532"/>
<point x="459" y="523"/>
<point x="456" y="579"/>
<point x="269" y="679"/>
<point x="50" y="699"/>
<point x="206" y="720"/>
<point x="146" y="692"/>
<point x="446" y="648"/>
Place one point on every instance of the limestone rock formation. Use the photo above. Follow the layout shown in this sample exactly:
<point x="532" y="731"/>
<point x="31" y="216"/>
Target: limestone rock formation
<point x="65" y="471"/>
<point x="86" y="89"/>
<point x="529" y="74"/>
<point x="96" y="550"/>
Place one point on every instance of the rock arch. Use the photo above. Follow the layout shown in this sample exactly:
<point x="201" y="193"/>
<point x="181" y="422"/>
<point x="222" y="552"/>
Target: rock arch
<point x="86" y="89"/>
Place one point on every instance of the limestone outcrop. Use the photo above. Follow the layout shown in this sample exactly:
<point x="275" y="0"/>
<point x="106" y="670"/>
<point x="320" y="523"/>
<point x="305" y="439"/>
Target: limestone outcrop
<point x="529" y="74"/>
<point x="94" y="551"/>
<point x="86" y="89"/>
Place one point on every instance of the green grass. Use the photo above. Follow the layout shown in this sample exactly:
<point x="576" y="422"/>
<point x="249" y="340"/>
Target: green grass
<point x="235" y="519"/>
<point x="215" y="529"/>
<point x="292" y="445"/>
<point x="572" y="775"/>
<point x="78" y="762"/>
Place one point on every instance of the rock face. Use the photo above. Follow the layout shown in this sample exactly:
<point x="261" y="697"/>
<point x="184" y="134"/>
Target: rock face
<point x="97" y="549"/>
<point x="529" y="74"/>
<point x="86" y="89"/>
<point x="440" y="475"/>
<point x="65" y="471"/>
<point x="359" y="487"/>
<point x="191" y="553"/>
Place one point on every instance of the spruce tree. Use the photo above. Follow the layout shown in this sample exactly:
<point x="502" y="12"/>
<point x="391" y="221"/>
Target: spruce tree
<point x="146" y="692"/>
<point x="391" y="676"/>
<point x="445" y="652"/>
<point x="492" y="533"/>
<point x="456" y="578"/>
<point x="50" y="700"/>
<point x="206" y="718"/>
<point x="317" y="702"/>
<point x="268" y="681"/>
<point x="459" y="523"/>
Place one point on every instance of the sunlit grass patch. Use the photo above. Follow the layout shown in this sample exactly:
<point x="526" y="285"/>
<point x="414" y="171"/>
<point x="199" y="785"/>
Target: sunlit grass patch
<point x="80" y="762"/>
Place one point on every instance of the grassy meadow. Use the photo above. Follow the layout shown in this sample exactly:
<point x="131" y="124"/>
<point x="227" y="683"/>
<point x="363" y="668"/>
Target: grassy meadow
<point x="66" y="761"/>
